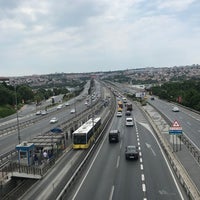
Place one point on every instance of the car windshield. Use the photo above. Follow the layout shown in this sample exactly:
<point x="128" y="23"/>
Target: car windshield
<point x="131" y="148"/>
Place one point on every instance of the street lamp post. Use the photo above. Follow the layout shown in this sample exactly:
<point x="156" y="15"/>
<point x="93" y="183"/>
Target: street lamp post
<point x="92" y="115"/>
<point x="18" y="130"/>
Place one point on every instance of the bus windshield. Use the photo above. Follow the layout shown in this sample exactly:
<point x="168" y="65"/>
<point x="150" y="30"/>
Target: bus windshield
<point x="79" y="139"/>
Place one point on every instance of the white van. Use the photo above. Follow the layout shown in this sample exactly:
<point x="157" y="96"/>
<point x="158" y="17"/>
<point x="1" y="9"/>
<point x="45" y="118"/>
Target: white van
<point x="129" y="121"/>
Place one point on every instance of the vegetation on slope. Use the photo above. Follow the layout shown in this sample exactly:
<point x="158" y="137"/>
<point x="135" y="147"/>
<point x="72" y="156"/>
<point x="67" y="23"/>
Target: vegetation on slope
<point x="185" y="92"/>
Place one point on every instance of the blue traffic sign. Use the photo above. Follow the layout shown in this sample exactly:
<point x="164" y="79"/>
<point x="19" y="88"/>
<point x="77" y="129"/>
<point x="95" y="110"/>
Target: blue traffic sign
<point x="175" y="132"/>
<point x="175" y="129"/>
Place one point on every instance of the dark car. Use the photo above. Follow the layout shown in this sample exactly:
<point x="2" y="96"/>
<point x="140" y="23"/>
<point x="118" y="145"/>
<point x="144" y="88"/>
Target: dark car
<point x="114" y="136"/>
<point x="131" y="152"/>
<point x="128" y="113"/>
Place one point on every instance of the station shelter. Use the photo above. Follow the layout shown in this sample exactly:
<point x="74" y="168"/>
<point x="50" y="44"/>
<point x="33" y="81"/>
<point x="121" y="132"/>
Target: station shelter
<point x="25" y="153"/>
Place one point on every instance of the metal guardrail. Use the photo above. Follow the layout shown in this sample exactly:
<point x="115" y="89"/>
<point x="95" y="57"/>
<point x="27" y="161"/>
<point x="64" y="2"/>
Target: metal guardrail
<point x="6" y="156"/>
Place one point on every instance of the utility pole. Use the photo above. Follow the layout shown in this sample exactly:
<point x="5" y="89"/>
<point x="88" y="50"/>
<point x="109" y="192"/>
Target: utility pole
<point x="16" y="103"/>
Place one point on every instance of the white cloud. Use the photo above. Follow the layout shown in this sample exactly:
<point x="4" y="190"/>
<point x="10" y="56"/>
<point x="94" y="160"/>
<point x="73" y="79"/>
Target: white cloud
<point x="91" y="33"/>
<point x="176" y="5"/>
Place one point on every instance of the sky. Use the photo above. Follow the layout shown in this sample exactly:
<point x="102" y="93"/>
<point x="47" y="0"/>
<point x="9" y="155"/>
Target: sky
<point x="72" y="36"/>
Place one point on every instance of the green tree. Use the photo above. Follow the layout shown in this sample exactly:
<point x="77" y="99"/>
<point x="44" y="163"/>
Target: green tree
<point x="25" y="93"/>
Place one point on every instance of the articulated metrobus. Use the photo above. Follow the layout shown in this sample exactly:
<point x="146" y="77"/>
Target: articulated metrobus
<point x="84" y="135"/>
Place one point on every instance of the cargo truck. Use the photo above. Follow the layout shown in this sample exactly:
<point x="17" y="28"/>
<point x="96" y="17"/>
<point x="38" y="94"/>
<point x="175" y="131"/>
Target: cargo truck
<point x="129" y="107"/>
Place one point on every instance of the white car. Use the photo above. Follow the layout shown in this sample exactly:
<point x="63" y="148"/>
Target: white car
<point x="53" y="120"/>
<point x="38" y="112"/>
<point x="119" y="114"/>
<point x="67" y="104"/>
<point x="72" y="111"/>
<point x="59" y="107"/>
<point x="129" y="121"/>
<point x="175" y="109"/>
<point x="44" y="112"/>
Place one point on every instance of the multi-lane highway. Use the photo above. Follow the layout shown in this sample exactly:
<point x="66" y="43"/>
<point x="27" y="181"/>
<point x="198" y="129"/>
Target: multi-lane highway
<point x="108" y="175"/>
<point x="111" y="176"/>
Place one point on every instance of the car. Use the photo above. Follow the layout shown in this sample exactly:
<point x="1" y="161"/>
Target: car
<point x="53" y="120"/>
<point x="175" y="109"/>
<point x="131" y="152"/>
<point x="152" y="98"/>
<point x="38" y="112"/>
<point x="44" y="112"/>
<point x="59" y="107"/>
<point x="119" y="114"/>
<point x="67" y="104"/>
<point x="128" y="113"/>
<point x="129" y="121"/>
<point x="114" y="135"/>
<point x="72" y="111"/>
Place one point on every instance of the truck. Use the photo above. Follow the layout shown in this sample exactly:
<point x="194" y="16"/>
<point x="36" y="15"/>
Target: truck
<point x="119" y="109"/>
<point x="120" y="104"/>
<point x="129" y="107"/>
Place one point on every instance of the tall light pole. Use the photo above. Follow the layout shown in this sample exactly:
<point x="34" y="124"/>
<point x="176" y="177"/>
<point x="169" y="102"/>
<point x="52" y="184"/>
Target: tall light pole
<point x="18" y="130"/>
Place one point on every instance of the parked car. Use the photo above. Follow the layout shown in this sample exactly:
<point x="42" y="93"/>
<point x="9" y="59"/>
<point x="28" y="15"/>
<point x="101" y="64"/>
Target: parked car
<point x="131" y="152"/>
<point x="53" y="120"/>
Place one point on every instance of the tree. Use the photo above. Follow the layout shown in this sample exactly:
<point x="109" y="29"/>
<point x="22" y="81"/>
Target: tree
<point x="25" y="93"/>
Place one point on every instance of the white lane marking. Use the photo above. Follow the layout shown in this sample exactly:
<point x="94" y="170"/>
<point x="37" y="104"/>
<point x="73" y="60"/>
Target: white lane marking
<point x="138" y="143"/>
<point x="120" y="145"/>
<point x="143" y="187"/>
<point x="111" y="192"/>
<point x="149" y="147"/>
<point x="140" y="160"/>
<point x="140" y="153"/>
<point x="142" y="177"/>
<point x="141" y="167"/>
<point x="118" y="159"/>
<point x="146" y="126"/>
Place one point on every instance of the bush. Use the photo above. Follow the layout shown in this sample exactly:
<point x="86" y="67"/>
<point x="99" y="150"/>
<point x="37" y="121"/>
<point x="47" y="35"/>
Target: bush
<point x="6" y="111"/>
